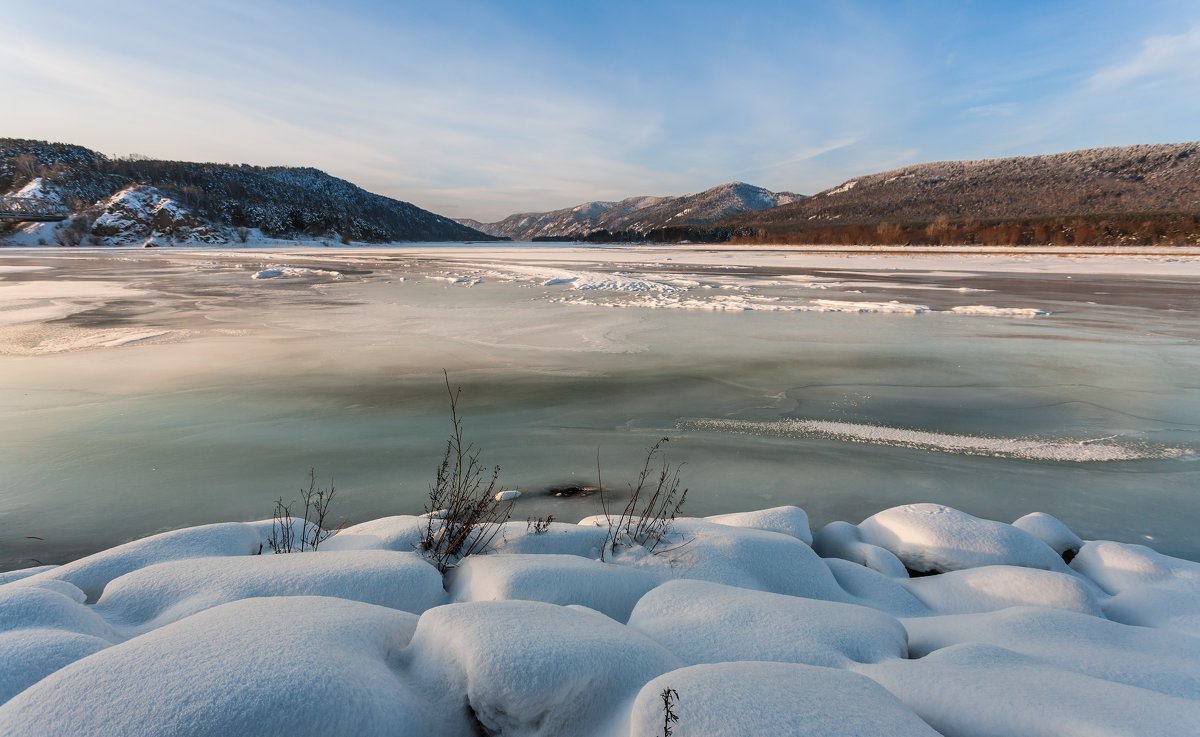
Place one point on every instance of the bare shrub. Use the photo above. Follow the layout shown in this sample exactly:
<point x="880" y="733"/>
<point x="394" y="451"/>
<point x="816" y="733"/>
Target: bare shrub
<point x="669" y="698"/>
<point x="650" y="511"/>
<point x="72" y="232"/>
<point x="538" y="525"/>
<point x="243" y="234"/>
<point x="463" y="513"/>
<point x="313" y="529"/>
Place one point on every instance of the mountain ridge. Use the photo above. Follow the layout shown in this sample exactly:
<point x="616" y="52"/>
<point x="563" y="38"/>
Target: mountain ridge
<point x="640" y="214"/>
<point x="221" y="201"/>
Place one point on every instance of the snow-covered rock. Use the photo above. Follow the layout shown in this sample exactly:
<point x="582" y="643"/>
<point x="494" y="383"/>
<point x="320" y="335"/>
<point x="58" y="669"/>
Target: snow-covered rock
<point x="788" y="520"/>
<point x="92" y="574"/>
<point x="142" y="212"/>
<point x="1149" y="589"/>
<point x="1051" y="531"/>
<point x="167" y="592"/>
<point x="843" y="540"/>
<point x="278" y="667"/>
<point x="702" y="622"/>
<point x="989" y="588"/>
<point x="1137" y="656"/>
<point x="556" y="579"/>
<point x="526" y="668"/>
<point x="777" y="699"/>
<point x="975" y="689"/>
<point x="936" y="538"/>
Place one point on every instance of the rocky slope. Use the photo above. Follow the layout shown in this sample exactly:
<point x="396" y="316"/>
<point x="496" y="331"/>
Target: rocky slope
<point x="1151" y="179"/>
<point x="124" y="201"/>
<point x="637" y="214"/>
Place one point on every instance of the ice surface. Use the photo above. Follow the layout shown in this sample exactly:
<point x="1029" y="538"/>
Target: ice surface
<point x="777" y="699"/>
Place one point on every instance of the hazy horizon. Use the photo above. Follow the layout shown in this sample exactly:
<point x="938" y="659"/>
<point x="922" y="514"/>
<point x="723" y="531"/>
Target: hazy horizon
<point x="479" y="111"/>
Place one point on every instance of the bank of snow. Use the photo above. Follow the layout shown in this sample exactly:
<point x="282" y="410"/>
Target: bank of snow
<point x="749" y="623"/>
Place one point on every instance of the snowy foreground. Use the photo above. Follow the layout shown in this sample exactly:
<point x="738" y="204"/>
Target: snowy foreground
<point x="752" y="624"/>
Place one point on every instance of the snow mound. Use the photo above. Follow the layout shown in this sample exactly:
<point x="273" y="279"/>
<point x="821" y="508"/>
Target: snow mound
<point x="871" y="588"/>
<point x="1149" y="589"/>
<point x="989" y="588"/>
<point x="526" y="668"/>
<point x="1136" y="656"/>
<point x="167" y="592"/>
<point x="703" y="622"/>
<point x="936" y="538"/>
<point x="401" y="533"/>
<point x="43" y="630"/>
<point x="843" y="540"/>
<point x="735" y="556"/>
<point x="985" y="690"/>
<point x="1051" y="531"/>
<point x="555" y="579"/>
<point x="92" y="574"/>
<point x="777" y="699"/>
<point x="787" y="520"/>
<point x="285" y="667"/>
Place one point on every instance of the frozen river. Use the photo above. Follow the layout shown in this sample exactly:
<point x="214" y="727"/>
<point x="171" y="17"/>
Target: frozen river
<point x="144" y="391"/>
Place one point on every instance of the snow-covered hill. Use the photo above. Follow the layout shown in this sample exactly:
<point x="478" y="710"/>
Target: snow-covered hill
<point x="129" y="200"/>
<point x="637" y="214"/>
<point x="1156" y="179"/>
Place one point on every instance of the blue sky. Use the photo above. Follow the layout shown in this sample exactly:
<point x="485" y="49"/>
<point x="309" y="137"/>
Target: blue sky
<point x="477" y="109"/>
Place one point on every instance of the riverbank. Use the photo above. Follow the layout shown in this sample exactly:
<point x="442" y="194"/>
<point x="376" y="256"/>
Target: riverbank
<point x="746" y="623"/>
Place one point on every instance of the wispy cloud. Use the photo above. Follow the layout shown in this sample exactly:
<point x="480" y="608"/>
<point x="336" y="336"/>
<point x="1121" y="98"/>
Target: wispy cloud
<point x="1160" y="58"/>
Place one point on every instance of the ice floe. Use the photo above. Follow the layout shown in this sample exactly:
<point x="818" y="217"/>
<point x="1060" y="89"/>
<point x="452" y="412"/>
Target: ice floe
<point x="1042" y="449"/>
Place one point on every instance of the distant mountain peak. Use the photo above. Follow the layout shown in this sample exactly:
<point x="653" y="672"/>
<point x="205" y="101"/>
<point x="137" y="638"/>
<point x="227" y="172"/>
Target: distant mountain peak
<point x="639" y="214"/>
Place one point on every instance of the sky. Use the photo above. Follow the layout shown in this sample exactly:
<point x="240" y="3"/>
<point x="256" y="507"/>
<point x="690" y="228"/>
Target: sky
<point x="482" y="109"/>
